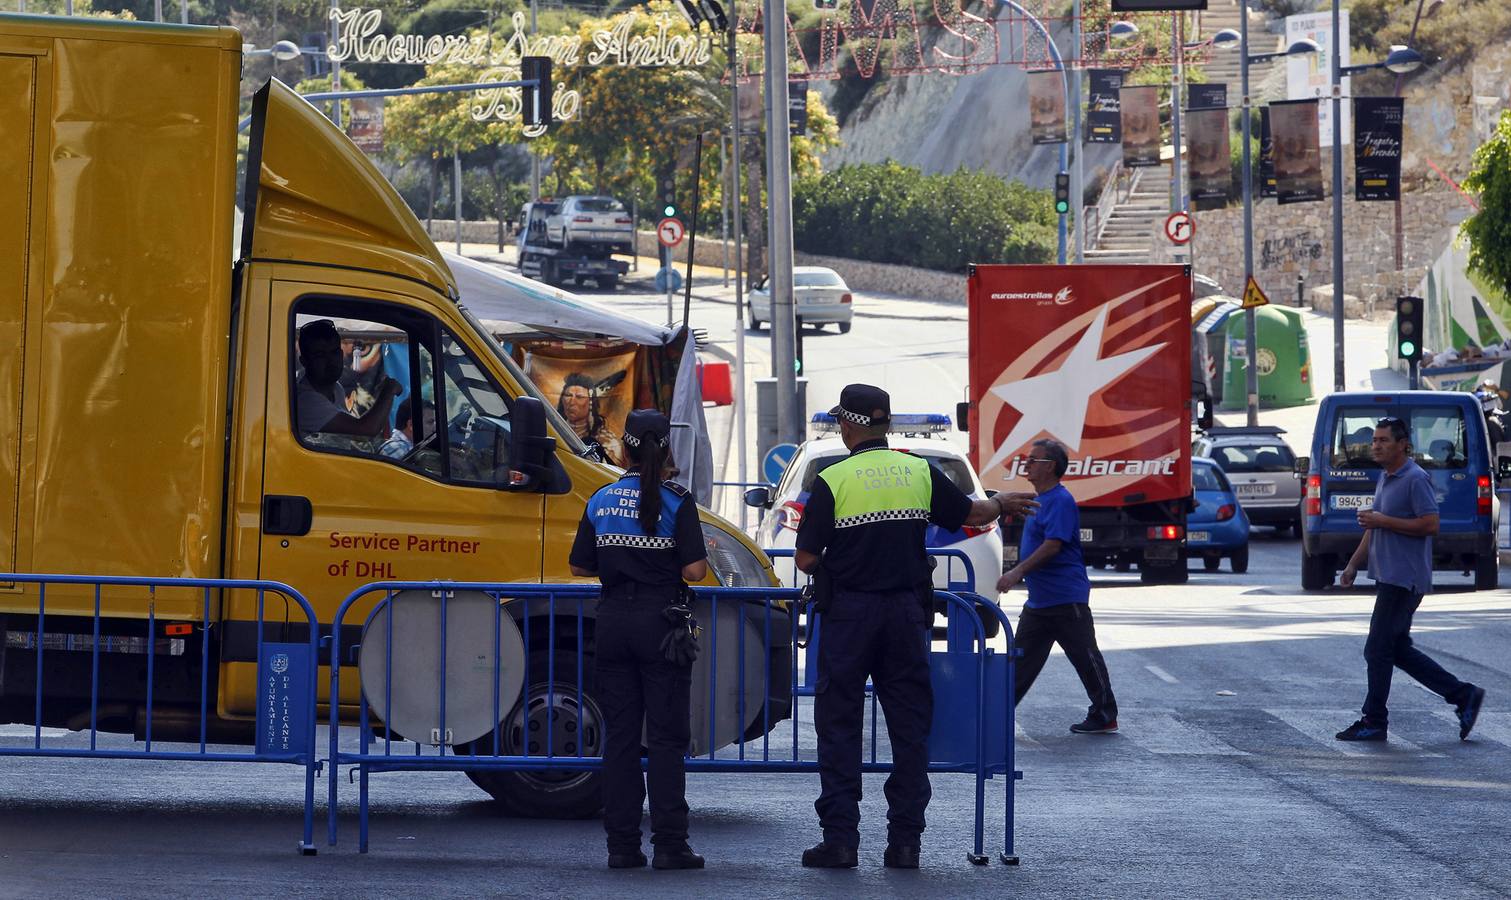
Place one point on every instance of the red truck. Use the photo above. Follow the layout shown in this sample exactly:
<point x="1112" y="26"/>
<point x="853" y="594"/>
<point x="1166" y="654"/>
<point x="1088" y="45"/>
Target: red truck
<point x="1099" y="359"/>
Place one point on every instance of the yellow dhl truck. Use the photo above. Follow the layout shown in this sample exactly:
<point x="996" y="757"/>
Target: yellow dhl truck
<point x="150" y="390"/>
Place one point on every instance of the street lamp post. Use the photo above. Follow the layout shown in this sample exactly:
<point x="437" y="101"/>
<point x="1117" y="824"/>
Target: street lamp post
<point x="1059" y="61"/>
<point x="1227" y="39"/>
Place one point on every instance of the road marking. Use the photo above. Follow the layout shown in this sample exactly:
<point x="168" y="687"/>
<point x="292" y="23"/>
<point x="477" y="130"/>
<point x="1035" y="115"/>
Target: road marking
<point x="1322" y="724"/>
<point x="1021" y="738"/>
<point x="1162" y="675"/>
<point x="28" y="731"/>
<point x="1159" y="731"/>
<point x="1493" y="726"/>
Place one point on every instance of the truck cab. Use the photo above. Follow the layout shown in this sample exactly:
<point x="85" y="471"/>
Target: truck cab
<point x="1448" y="439"/>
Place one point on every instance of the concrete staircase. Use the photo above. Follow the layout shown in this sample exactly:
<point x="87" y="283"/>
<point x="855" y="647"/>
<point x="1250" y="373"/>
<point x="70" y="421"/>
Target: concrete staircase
<point x="1133" y="224"/>
<point x="1223" y="65"/>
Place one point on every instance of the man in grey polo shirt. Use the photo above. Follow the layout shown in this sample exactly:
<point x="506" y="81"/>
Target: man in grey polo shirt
<point x="1398" y="544"/>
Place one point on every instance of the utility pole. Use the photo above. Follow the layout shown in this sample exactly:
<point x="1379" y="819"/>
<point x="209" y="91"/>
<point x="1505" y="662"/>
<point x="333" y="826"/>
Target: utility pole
<point x="779" y="218"/>
<point x="1078" y="173"/>
<point x="741" y="409"/>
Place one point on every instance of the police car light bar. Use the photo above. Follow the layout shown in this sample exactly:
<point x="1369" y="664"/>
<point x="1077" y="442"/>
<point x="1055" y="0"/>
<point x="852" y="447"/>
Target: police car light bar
<point x="903" y="423"/>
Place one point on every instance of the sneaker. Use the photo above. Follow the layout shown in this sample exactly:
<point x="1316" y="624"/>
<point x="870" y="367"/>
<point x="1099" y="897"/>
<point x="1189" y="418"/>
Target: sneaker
<point x="1095" y="726"/>
<point x="1362" y="730"/>
<point x="1469" y="711"/>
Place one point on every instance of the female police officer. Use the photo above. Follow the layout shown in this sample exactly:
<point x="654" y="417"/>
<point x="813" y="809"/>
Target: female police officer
<point x="640" y="536"/>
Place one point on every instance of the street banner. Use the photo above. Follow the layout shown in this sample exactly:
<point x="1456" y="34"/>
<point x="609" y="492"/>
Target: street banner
<point x="1377" y="147"/>
<point x="1266" y="155"/>
<point x="1298" y="159"/>
<point x="1308" y="76"/>
<point x="1103" y="123"/>
<point x="1046" y="107"/>
<point x="365" y="127"/>
<point x="1211" y="157"/>
<point x="1140" y="117"/>
<point x="594" y="389"/>
<point x="1097" y="358"/>
<point x="1207" y="96"/>
<point x="752" y="107"/>
<point x="797" y="108"/>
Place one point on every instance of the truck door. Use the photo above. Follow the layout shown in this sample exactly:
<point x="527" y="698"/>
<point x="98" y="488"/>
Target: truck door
<point x="17" y="106"/>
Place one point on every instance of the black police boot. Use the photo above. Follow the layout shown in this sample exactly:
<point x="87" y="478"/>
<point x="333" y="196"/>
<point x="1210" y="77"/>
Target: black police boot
<point x="900" y="856"/>
<point x="825" y="855"/>
<point x="632" y="860"/>
<point x="684" y="858"/>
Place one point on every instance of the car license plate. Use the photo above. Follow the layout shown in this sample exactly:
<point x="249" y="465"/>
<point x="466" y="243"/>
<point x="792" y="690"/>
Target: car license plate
<point x="1198" y="537"/>
<point x="1085" y="535"/>
<point x="1254" y="489"/>
<point x="1353" y="501"/>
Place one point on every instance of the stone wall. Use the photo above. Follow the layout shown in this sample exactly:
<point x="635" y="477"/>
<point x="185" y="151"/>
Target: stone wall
<point x="1297" y="239"/>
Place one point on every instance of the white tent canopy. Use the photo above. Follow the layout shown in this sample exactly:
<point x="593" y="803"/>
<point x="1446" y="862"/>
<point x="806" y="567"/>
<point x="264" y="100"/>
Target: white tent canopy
<point x="501" y="298"/>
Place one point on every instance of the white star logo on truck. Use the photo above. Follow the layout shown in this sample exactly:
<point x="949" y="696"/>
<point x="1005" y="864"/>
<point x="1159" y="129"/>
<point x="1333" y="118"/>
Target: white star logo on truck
<point x="1055" y="402"/>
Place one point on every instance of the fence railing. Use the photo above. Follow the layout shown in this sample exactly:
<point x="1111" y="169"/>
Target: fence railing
<point x="175" y="723"/>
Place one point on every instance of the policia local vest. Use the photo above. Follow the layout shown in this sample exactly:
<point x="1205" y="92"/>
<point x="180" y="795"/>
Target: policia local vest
<point x="882" y="500"/>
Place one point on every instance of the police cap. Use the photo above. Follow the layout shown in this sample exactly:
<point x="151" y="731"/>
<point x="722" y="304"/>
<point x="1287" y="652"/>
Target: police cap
<point x="647" y="424"/>
<point x="863" y="404"/>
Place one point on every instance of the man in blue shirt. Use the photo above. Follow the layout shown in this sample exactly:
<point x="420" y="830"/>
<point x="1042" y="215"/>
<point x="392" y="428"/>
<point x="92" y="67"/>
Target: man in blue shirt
<point x="1397" y="541"/>
<point x="1058" y="609"/>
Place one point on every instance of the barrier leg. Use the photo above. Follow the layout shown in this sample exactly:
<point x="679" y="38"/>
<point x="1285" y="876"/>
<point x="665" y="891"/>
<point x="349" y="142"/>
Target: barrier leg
<point x="1009" y="857"/>
<point x="307" y="846"/>
<point x="362" y="808"/>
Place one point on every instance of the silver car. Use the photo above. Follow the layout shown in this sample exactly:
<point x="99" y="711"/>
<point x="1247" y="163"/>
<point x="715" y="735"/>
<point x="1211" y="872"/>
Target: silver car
<point x="1261" y="467"/>
<point x="819" y="294"/>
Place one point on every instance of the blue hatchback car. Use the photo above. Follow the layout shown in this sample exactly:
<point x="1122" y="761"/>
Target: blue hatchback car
<point x="1448" y="439"/>
<point x="1218" y="527"/>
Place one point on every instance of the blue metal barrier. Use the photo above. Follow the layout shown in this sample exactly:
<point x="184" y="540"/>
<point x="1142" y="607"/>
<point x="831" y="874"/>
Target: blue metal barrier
<point x="973" y="689"/>
<point x="287" y="673"/>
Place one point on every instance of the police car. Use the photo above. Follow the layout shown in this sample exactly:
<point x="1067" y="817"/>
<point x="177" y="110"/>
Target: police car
<point x="919" y="434"/>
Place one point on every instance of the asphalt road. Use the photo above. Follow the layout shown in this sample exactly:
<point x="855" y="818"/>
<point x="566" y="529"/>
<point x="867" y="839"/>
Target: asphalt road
<point x="1224" y="781"/>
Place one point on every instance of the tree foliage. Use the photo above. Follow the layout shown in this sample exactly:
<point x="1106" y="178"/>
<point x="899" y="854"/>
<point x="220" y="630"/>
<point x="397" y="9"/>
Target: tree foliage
<point x="1489" y="229"/>
<point x="892" y="213"/>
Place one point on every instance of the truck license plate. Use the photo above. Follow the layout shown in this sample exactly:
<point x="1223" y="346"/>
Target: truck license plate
<point x="1353" y="501"/>
<point x="1254" y="489"/>
<point x="1085" y="535"/>
<point x="1198" y="537"/>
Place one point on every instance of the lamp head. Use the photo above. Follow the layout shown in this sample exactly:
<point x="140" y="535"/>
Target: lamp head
<point x="1303" y="47"/>
<point x="1403" y="60"/>
<point x="283" y="51"/>
<point x="1227" y="39"/>
<point x="1122" y="31"/>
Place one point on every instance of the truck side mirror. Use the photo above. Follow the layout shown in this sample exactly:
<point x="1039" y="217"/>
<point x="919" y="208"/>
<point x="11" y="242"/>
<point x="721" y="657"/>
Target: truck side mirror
<point x="1302" y="466"/>
<point x="531" y="450"/>
<point x="759" y="497"/>
<point x="963" y="415"/>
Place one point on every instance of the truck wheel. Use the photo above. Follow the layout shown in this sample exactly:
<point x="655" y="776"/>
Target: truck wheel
<point x="1316" y="571"/>
<point x="608" y="282"/>
<point x="1173" y="574"/>
<point x="1211" y="563"/>
<point x="548" y="793"/>
<point x="1240" y="560"/>
<point x="1487" y="572"/>
<point x="755" y="324"/>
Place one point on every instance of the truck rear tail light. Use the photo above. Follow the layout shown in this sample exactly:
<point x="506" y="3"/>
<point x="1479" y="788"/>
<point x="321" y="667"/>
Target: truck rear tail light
<point x="1166" y="532"/>
<point x="1314" y="495"/>
<point x="1225" y="512"/>
<point x="1482" y="504"/>
<point x="792" y="514"/>
<point x="845" y="298"/>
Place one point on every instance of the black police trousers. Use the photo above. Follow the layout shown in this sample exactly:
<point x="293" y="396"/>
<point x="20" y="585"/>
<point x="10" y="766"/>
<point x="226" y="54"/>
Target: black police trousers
<point x="637" y="686"/>
<point x="883" y="636"/>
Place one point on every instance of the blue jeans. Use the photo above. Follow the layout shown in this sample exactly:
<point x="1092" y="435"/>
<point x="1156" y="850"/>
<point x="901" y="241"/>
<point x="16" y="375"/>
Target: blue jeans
<point x="1389" y="647"/>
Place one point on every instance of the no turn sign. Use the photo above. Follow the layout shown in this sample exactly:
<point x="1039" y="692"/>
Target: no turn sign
<point x="1179" y="228"/>
<point x="670" y="231"/>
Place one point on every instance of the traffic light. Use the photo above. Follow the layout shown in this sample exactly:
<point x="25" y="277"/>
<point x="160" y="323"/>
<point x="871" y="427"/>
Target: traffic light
<point x="536" y="98"/>
<point x="669" y="197"/>
<point x="1062" y="193"/>
<point x="1409" y="328"/>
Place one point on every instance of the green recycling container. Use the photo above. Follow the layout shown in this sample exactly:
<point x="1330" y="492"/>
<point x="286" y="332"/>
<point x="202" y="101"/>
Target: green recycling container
<point x="1285" y="364"/>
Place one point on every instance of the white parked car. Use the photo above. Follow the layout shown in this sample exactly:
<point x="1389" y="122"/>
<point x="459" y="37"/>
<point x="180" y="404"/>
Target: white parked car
<point x="596" y="222"/>
<point x="916" y="434"/>
<point x="819" y="294"/>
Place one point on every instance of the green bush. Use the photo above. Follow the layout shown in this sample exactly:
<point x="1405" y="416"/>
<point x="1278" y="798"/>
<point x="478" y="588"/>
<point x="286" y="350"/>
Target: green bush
<point x="891" y="213"/>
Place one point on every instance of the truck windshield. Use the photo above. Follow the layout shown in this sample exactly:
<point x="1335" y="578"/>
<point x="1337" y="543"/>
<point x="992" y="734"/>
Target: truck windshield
<point x="564" y="432"/>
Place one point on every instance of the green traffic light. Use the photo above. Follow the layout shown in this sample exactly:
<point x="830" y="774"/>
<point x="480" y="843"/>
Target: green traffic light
<point x="1408" y="349"/>
<point x="670" y="210"/>
<point x="1062" y="207"/>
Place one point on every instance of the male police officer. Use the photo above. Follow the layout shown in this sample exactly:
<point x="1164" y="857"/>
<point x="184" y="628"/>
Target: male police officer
<point x="864" y="523"/>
